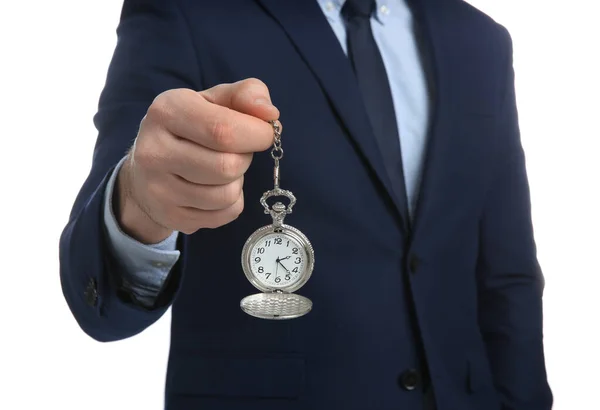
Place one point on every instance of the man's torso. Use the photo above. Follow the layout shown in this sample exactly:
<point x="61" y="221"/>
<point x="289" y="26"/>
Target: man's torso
<point x="384" y="300"/>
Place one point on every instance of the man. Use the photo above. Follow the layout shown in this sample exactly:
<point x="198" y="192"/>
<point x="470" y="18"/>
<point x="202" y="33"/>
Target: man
<point x="402" y="146"/>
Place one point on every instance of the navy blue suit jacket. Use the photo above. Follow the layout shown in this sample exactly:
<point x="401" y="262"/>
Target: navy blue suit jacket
<point x="458" y="298"/>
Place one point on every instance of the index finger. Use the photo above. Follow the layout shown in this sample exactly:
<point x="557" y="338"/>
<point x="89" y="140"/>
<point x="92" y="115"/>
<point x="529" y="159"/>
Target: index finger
<point x="216" y="127"/>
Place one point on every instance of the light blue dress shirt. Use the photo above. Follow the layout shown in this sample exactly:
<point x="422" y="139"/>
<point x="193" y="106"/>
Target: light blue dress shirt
<point x="145" y="267"/>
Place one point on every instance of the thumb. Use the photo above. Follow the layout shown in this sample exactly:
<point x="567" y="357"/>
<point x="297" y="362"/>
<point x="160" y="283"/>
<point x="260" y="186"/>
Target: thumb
<point x="250" y="96"/>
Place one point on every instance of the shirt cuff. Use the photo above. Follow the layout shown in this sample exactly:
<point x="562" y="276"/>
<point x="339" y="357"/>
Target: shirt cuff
<point x="145" y="268"/>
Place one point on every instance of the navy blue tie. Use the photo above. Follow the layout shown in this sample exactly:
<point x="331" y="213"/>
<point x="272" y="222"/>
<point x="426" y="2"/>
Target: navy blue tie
<point x="375" y="88"/>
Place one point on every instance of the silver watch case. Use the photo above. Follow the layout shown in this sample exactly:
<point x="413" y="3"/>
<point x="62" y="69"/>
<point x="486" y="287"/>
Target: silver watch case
<point x="277" y="303"/>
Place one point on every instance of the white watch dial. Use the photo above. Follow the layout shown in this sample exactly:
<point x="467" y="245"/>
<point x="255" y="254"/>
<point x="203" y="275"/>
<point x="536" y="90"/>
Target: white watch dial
<point x="278" y="260"/>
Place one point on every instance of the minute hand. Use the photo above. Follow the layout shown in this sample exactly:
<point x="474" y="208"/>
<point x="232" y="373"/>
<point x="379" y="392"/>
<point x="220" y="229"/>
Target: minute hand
<point x="283" y="266"/>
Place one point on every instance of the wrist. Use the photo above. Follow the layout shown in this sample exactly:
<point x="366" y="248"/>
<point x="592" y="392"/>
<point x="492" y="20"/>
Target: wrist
<point x="132" y="218"/>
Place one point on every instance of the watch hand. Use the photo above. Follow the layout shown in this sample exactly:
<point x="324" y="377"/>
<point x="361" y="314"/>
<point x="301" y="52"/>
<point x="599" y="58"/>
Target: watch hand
<point x="282" y="259"/>
<point x="276" y="266"/>
<point x="286" y="269"/>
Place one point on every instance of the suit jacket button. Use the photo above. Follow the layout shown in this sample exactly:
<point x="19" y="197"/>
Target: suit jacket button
<point x="409" y="379"/>
<point x="413" y="263"/>
<point x="91" y="293"/>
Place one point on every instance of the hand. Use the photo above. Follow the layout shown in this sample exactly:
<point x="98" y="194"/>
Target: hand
<point x="282" y="265"/>
<point x="186" y="168"/>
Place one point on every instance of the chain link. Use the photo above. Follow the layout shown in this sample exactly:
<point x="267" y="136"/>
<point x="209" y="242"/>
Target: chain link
<point x="276" y="151"/>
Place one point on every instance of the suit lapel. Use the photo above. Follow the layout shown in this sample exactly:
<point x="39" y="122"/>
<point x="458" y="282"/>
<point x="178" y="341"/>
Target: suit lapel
<point x="436" y="39"/>
<point x="307" y="27"/>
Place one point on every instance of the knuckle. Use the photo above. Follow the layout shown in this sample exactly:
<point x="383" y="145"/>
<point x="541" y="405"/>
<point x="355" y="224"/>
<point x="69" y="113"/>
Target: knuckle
<point x="230" y="166"/>
<point x="222" y="134"/>
<point x="145" y="156"/>
<point x="159" y="111"/>
<point x="236" y="209"/>
<point x="225" y="216"/>
<point x="230" y="194"/>
<point x="167" y="106"/>
<point x="255" y="84"/>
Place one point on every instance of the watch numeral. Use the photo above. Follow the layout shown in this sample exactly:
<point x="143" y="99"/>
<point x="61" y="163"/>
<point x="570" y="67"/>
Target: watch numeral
<point x="260" y="269"/>
<point x="261" y="250"/>
<point x="268" y="274"/>
<point x="257" y="259"/>
<point x="278" y="241"/>
<point x="288" y="244"/>
<point x="295" y="270"/>
<point x="295" y="251"/>
<point x="298" y="260"/>
<point x="288" y="277"/>
<point x="277" y="279"/>
<point x="268" y="243"/>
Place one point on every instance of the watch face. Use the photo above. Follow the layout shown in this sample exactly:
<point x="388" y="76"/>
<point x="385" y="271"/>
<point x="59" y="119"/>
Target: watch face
<point x="278" y="260"/>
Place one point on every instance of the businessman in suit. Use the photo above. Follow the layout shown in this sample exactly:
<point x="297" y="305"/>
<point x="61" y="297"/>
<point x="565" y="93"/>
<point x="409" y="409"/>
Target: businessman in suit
<point x="402" y="146"/>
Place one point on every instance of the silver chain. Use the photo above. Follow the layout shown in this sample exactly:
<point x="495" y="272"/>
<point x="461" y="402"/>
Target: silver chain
<point x="276" y="151"/>
<point x="279" y="210"/>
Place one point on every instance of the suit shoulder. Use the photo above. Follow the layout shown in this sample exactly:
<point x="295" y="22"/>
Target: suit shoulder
<point x="480" y="23"/>
<point x="475" y="36"/>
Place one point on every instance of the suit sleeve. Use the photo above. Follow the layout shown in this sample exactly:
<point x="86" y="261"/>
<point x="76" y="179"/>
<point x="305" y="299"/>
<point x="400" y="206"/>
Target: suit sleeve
<point x="154" y="53"/>
<point x="143" y="268"/>
<point x="510" y="279"/>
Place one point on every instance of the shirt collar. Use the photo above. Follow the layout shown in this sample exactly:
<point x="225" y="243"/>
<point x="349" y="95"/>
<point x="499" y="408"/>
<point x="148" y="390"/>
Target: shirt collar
<point x="333" y="8"/>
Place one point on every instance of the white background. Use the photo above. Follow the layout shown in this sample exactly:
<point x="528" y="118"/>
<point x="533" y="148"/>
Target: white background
<point x="54" y="55"/>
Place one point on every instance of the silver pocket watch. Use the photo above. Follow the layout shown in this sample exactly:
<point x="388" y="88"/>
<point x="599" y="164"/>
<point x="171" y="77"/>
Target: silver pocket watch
<point x="277" y="259"/>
